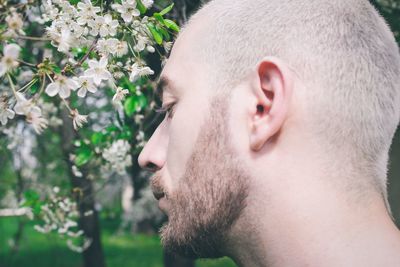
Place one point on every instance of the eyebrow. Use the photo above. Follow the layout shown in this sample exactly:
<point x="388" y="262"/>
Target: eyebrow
<point x="164" y="84"/>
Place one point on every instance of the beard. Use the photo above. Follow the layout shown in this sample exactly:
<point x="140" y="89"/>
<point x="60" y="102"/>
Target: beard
<point x="211" y="194"/>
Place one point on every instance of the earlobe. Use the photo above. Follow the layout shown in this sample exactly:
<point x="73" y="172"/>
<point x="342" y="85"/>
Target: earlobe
<point x="272" y="89"/>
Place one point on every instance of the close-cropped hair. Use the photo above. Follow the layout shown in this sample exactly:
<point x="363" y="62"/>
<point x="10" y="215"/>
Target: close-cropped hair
<point x="342" y="51"/>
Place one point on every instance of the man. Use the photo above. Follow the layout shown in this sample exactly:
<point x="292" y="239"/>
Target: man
<point x="274" y="147"/>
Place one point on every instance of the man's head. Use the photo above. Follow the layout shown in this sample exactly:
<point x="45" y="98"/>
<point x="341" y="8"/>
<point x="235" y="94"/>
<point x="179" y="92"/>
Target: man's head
<point x="268" y="96"/>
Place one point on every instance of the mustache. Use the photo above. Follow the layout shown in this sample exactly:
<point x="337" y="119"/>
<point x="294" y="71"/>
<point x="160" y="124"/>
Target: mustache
<point x="157" y="186"/>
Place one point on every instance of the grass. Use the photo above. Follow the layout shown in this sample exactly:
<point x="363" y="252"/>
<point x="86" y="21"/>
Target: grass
<point x="123" y="250"/>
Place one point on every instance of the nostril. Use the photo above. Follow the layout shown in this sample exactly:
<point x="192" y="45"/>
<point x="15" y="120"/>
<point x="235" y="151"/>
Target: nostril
<point x="151" y="166"/>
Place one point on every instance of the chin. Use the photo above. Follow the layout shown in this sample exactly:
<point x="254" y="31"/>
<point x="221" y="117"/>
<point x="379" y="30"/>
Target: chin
<point x="196" y="244"/>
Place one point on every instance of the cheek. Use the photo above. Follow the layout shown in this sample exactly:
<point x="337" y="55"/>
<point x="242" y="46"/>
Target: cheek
<point x="183" y="132"/>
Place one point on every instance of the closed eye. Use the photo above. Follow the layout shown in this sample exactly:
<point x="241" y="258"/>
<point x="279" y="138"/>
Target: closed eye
<point x="167" y="110"/>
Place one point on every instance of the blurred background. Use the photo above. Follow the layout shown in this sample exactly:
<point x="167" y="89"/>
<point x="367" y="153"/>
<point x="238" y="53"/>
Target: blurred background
<point x="116" y="209"/>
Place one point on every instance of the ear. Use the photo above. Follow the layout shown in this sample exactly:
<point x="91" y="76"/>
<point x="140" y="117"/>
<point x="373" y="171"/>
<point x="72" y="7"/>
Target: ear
<point x="271" y="89"/>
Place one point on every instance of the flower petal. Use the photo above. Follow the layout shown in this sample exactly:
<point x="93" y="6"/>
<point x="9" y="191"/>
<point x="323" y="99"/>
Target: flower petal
<point x="64" y="92"/>
<point x="12" y="50"/>
<point x="36" y="110"/>
<point x="72" y="84"/>
<point x="3" y="69"/>
<point x="91" y="88"/>
<point x="10" y="113"/>
<point x="82" y="92"/>
<point x="103" y="62"/>
<point x="3" y="120"/>
<point x="52" y="89"/>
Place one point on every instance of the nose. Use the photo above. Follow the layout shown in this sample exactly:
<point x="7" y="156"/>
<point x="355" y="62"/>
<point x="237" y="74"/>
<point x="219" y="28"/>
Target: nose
<point x="153" y="155"/>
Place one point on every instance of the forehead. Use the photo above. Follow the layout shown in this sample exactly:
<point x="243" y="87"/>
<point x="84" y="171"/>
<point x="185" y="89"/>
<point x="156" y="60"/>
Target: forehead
<point x="185" y="70"/>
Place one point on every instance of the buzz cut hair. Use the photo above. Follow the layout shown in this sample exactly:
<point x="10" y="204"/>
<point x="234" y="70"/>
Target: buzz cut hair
<point x="343" y="52"/>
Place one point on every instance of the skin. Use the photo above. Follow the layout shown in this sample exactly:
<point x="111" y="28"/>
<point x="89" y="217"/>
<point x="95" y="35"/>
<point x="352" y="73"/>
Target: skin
<point x="298" y="210"/>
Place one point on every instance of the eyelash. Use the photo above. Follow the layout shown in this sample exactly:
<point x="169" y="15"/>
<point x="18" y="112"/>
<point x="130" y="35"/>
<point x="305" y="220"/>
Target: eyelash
<point x="167" y="110"/>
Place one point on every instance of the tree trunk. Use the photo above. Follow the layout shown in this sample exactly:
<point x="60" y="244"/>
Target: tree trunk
<point x="21" y="221"/>
<point x="82" y="188"/>
<point x="89" y="221"/>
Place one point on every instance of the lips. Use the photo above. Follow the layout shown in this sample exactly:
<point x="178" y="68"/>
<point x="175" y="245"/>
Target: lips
<point x="158" y="194"/>
<point x="163" y="205"/>
<point x="157" y="187"/>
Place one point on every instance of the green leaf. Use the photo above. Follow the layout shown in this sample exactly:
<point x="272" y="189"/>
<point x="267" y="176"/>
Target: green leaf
<point x="156" y="34"/>
<point x="56" y="69"/>
<point x="158" y="17"/>
<point x="31" y="196"/>
<point x="167" y="9"/>
<point x="37" y="208"/>
<point x="85" y="65"/>
<point x="111" y="129"/>
<point x="96" y="138"/>
<point x="126" y="83"/>
<point x="134" y="102"/>
<point x="141" y="7"/>
<point x="126" y="133"/>
<point x="171" y="25"/>
<point x="130" y="105"/>
<point x="34" y="88"/>
<point x="142" y="101"/>
<point x="165" y="33"/>
<point x="83" y="155"/>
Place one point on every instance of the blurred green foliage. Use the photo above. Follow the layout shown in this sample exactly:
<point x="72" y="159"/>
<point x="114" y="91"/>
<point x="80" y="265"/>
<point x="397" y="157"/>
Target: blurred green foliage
<point x="122" y="249"/>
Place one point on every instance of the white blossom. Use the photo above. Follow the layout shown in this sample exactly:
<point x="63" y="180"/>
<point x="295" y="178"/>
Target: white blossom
<point x="98" y="70"/>
<point x="104" y="25"/>
<point x="14" y="23"/>
<point x="79" y="30"/>
<point x="51" y="11"/>
<point x="137" y="71"/>
<point x="38" y="122"/>
<point x="42" y="229"/>
<point x="5" y="112"/>
<point x="119" y="95"/>
<point x="121" y="49"/>
<point x="9" y="60"/>
<point x="167" y="46"/>
<point x="76" y="171"/>
<point x="85" y="85"/>
<point x="141" y="43"/>
<point x="109" y="27"/>
<point x="118" y="156"/>
<point x="140" y="136"/>
<point x="65" y="227"/>
<point x="138" y="118"/>
<point x="107" y="46"/>
<point x="147" y="3"/>
<point x="62" y="86"/>
<point x="87" y="12"/>
<point x="65" y="40"/>
<point x="32" y="112"/>
<point x="150" y="48"/>
<point x="24" y="106"/>
<point x="77" y="119"/>
<point x="79" y="249"/>
<point x="127" y="9"/>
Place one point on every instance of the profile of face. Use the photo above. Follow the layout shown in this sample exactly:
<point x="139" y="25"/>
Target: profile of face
<point x="210" y="195"/>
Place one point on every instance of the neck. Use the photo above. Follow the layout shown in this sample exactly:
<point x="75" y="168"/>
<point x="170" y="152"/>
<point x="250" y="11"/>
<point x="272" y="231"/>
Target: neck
<point x="313" y="226"/>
